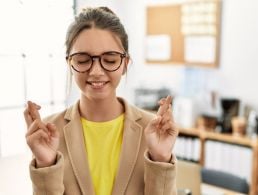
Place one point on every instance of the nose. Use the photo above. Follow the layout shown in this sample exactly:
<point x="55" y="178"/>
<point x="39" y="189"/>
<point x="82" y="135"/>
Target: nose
<point x="96" y="68"/>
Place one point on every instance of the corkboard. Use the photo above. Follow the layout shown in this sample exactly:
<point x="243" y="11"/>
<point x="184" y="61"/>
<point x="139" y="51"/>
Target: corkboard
<point x="166" y="19"/>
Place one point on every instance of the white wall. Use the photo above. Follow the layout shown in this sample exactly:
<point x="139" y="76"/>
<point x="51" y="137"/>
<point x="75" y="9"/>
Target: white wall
<point x="239" y="59"/>
<point x="236" y="76"/>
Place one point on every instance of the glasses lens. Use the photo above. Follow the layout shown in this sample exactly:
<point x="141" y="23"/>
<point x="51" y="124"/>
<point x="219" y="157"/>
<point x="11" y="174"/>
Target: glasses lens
<point x="111" y="61"/>
<point x="81" y="62"/>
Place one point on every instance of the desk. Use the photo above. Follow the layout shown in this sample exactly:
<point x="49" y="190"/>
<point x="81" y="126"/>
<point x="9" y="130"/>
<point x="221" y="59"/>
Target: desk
<point x="213" y="190"/>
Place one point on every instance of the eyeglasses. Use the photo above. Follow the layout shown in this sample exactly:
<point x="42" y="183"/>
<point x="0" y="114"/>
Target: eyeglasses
<point x="109" y="61"/>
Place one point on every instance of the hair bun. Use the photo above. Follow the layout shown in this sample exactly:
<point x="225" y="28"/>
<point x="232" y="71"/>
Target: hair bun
<point x="106" y="9"/>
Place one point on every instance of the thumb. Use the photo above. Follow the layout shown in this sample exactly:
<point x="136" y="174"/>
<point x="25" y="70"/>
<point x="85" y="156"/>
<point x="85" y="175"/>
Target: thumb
<point x="53" y="130"/>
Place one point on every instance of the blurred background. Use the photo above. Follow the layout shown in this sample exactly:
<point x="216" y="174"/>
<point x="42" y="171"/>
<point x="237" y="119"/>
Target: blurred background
<point x="202" y="52"/>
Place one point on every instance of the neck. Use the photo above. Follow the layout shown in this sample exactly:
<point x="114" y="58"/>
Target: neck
<point x="100" y="110"/>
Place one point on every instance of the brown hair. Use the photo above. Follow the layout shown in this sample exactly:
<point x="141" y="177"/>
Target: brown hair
<point x="99" y="17"/>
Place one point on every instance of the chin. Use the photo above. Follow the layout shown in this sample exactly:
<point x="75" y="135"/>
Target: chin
<point x="98" y="96"/>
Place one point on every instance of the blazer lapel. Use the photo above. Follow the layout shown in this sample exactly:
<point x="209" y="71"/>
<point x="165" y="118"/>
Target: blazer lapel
<point x="132" y="135"/>
<point x="73" y="134"/>
<point x="130" y="148"/>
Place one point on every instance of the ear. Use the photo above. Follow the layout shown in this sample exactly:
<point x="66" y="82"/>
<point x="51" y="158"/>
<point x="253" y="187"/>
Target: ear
<point x="126" y="62"/>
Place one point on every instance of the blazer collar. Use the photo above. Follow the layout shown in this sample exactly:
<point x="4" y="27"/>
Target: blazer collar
<point x="132" y="135"/>
<point x="74" y="139"/>
<point x="131" y="112"/>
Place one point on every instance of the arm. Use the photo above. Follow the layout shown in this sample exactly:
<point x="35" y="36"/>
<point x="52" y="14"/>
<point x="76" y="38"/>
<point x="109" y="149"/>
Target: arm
<point x="48" y="180"/>
<point x="159" y="177"/>
<point x="160" y="163"/>
<point x="46" y="169"/>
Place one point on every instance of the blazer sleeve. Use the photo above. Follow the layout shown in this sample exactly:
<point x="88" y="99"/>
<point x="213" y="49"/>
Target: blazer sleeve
<point x="48" y="180"/>
<point x="159" y="177"/>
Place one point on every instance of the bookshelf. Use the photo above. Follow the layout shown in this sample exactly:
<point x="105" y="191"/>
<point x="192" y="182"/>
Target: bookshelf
<point x="238" y="149"/>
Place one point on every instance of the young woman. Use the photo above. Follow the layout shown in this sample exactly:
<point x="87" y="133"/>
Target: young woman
<point x="101" y="145"/>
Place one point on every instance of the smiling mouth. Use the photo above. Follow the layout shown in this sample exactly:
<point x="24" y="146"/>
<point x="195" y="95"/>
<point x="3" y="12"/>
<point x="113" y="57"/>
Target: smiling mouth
<point x="97" y="84"/>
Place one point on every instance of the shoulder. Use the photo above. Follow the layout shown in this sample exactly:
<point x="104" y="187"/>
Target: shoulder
<point x="135" y="113"/>
<point x="59" y="116"/>
<point x="146" y="114"/>
<point x="55" y="117"/>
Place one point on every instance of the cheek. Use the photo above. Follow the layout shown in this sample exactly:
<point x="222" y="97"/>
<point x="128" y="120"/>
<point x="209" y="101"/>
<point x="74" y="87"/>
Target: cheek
<point x="80" y="80"/>
<point x="117" y="77"/>
<point x="121" y="71"/>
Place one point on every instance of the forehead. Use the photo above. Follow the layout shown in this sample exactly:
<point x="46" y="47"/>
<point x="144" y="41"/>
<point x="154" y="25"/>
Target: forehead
<point x="96" y="41"/>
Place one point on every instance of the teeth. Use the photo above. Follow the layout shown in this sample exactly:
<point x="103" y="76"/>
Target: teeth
<point x="97" y="84"/>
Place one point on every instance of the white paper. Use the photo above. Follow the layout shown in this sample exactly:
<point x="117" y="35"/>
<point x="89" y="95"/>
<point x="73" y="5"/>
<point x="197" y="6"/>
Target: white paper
<point x="158" y="47"/>
<point x="200" y="49"/>
<point x="188" y="148"/>
<point x="197" y="149"/>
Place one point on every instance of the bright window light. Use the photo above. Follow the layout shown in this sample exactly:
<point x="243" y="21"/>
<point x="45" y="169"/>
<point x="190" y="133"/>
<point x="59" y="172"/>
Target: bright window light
<point x="32" y="62"/>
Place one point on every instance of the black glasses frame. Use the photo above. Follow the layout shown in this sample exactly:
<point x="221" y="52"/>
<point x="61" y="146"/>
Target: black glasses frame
<point x="122" y="56"/>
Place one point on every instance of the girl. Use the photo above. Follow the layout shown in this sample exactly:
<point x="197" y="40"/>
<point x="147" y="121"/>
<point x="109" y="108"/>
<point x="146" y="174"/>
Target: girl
<point x="102" y="145"/>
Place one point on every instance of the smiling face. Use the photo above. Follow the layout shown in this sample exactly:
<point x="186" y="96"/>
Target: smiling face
<point x="97" y="83"/>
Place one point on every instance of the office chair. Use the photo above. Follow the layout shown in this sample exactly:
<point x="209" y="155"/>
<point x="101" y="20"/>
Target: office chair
<point x="224" y="180"/>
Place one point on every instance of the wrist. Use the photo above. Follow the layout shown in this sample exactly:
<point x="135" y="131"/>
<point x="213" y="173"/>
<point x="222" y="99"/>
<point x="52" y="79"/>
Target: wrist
<point x="160" y="157"/>
<point x="48" y="163"/>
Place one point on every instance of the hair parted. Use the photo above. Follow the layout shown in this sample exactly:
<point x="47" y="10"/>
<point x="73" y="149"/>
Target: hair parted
<point x="99" y="17"/>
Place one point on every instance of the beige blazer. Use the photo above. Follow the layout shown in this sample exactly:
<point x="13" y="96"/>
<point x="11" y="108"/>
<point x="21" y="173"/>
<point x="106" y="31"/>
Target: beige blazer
<point x="137" y="174"/>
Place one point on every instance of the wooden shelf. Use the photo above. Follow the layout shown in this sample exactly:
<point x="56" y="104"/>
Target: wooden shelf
<point x="245" y="141"/>
<point x="229" y="138"/>
<point x="204" y="136"/>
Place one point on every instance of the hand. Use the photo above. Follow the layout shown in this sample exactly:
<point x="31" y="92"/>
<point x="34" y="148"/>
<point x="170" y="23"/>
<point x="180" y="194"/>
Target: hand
<point x="43" y="139"/>
<point x="161" y="132"/>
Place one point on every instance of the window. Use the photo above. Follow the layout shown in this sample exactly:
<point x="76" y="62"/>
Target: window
<point x="32" y="62"/>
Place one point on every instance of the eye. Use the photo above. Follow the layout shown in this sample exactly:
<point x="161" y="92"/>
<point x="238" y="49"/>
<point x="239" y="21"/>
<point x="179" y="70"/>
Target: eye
<point x="109" y="61"/>
<point x="110" y="58"/>
<point x="81" y="59"/>
<point x="84" y="62"/>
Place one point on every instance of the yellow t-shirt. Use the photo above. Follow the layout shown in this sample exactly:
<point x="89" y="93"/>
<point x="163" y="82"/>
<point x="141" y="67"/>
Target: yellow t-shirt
<point x="103" y="141"/>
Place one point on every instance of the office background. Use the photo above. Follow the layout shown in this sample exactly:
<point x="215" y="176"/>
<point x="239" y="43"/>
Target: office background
<point x="33" y="67"/>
